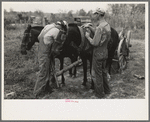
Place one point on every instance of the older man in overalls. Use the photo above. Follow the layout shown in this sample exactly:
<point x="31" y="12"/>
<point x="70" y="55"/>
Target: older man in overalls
<point x="100" y="53"/>
<point x="45" y="77"/>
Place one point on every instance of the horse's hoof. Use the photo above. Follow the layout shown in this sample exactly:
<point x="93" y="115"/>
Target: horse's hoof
<point x="108" y="77"/>
<point x="130" y="45"/>
<point x="62" y="85"/>
<point x="91" y="91"/>
<point x="73" y="76"/>
<point x="84" y="84"/>
<point x="82" y="87"/>
<point x="92" y="87"/>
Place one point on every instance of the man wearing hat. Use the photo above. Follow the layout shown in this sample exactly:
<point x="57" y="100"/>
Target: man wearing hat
<point x="100" y="52"/>
<point x="46" y="38"/>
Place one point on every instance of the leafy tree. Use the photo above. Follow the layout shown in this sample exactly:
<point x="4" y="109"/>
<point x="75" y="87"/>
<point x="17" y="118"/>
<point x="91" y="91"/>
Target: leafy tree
<point x="89" y="13"/>
<point x="52" y="18"/>
<point x="82" y="12"/>
<point x="70" y="14"/>
<point x="127" y="15"/>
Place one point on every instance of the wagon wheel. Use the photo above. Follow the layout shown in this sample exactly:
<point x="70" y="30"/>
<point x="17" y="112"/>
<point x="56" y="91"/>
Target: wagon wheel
<point x="128" y="42"/>
<point x="115" y="64"/>
<point x="121" y="58"/>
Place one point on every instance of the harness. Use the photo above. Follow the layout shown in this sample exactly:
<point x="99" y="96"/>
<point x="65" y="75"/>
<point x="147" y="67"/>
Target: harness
<point x="61" y="37"/>
<point x="82" y="37"/>
<point x="83" y="45"/>
<point x="80" y="47"/>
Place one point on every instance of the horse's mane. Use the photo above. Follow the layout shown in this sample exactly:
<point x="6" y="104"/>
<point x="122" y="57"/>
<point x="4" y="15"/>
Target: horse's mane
<point x="29" y="27"/>
<point x="37" y="27"/>
<point x="72" y="25"/>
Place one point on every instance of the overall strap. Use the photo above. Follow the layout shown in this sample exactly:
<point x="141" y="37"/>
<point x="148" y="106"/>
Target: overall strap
<point x="44" y="32"/>
<point x="48" y="30"/>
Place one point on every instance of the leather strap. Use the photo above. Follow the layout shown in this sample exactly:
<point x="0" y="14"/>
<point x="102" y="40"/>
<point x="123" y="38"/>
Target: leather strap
<point x="82" y="37"/>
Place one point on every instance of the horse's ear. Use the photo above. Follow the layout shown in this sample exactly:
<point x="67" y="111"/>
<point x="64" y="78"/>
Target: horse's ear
<point x="29" y="27"/>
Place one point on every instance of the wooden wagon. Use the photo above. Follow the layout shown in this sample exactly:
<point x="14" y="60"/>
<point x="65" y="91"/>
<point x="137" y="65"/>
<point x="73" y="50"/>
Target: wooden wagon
<point x="122" y="52"/>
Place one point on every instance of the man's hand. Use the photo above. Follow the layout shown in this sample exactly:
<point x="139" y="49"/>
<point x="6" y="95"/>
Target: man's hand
<point x="86" y="25"/>
<point x="87" y="34"/>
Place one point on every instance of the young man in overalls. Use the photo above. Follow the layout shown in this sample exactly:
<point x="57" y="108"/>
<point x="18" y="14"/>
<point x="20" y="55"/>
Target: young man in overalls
<point x="100" y="53"/>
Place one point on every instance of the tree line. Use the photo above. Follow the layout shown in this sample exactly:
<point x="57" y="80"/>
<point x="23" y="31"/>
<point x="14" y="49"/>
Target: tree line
<point x="118" y="15"/>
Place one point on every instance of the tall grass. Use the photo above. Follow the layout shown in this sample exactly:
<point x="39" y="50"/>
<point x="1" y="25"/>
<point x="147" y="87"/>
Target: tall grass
<point x="16" y="66"/>
<point x="135" y="34"/>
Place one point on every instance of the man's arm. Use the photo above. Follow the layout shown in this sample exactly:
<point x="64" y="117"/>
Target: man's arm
<point x="92" y="29"/>
<point x="95" y="41"/>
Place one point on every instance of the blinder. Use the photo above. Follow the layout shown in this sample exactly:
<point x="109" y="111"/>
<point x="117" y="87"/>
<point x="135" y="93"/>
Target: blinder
<point x="29" y="36"/>
<point x="28" y="40"/>
<point x="63" y="37"/>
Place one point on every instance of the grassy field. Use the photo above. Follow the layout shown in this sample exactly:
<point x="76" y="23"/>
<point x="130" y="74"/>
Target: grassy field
<point x="20" y="73"/>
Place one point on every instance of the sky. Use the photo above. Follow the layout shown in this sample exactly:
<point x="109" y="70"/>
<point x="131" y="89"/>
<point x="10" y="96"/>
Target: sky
<point x="53" y="7"/>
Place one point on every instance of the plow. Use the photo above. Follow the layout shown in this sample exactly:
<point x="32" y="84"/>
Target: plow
<point x="65" y="70"/>
<point x="68" y="67"/>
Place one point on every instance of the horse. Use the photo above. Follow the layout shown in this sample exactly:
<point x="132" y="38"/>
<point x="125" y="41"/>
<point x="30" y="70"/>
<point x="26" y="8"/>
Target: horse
<point x="31" y="36"/>
<point x="84" y="48"/>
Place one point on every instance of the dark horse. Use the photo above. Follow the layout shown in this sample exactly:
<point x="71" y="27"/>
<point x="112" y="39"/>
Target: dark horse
<point x="85" y="49"/>
<point x="31" y="36"/>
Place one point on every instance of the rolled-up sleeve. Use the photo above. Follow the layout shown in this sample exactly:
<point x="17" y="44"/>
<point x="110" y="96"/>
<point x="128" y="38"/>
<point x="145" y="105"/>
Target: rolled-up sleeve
<point x="95" y="41"/>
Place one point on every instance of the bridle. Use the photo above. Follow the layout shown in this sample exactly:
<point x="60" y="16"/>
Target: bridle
<point x="29" y="36"/>
<point x="62" y="42"/>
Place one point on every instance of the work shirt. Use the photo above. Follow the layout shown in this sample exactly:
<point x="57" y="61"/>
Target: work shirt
<point x="100" y="34"/>
<point x="49" y="34"/>
<point x="101" y="38"/>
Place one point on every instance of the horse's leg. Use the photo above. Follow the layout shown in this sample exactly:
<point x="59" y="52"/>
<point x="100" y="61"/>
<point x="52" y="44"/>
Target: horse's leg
<point x="84" y="60"/>
<point x="109" y="66"/>
<point x="74" y="69"/>
<point x="70" y="70"/>
<point x="61" y="67"/>
<point x="92" y="82"/>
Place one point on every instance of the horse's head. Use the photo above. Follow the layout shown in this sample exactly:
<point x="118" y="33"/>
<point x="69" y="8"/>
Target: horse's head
<point x="58" y="43"/>
<point x="29" y="38"/>
<point x="25" y="40"/>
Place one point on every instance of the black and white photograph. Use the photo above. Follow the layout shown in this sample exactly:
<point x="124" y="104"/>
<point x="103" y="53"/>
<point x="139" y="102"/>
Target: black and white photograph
<point x="75" y="57"/>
